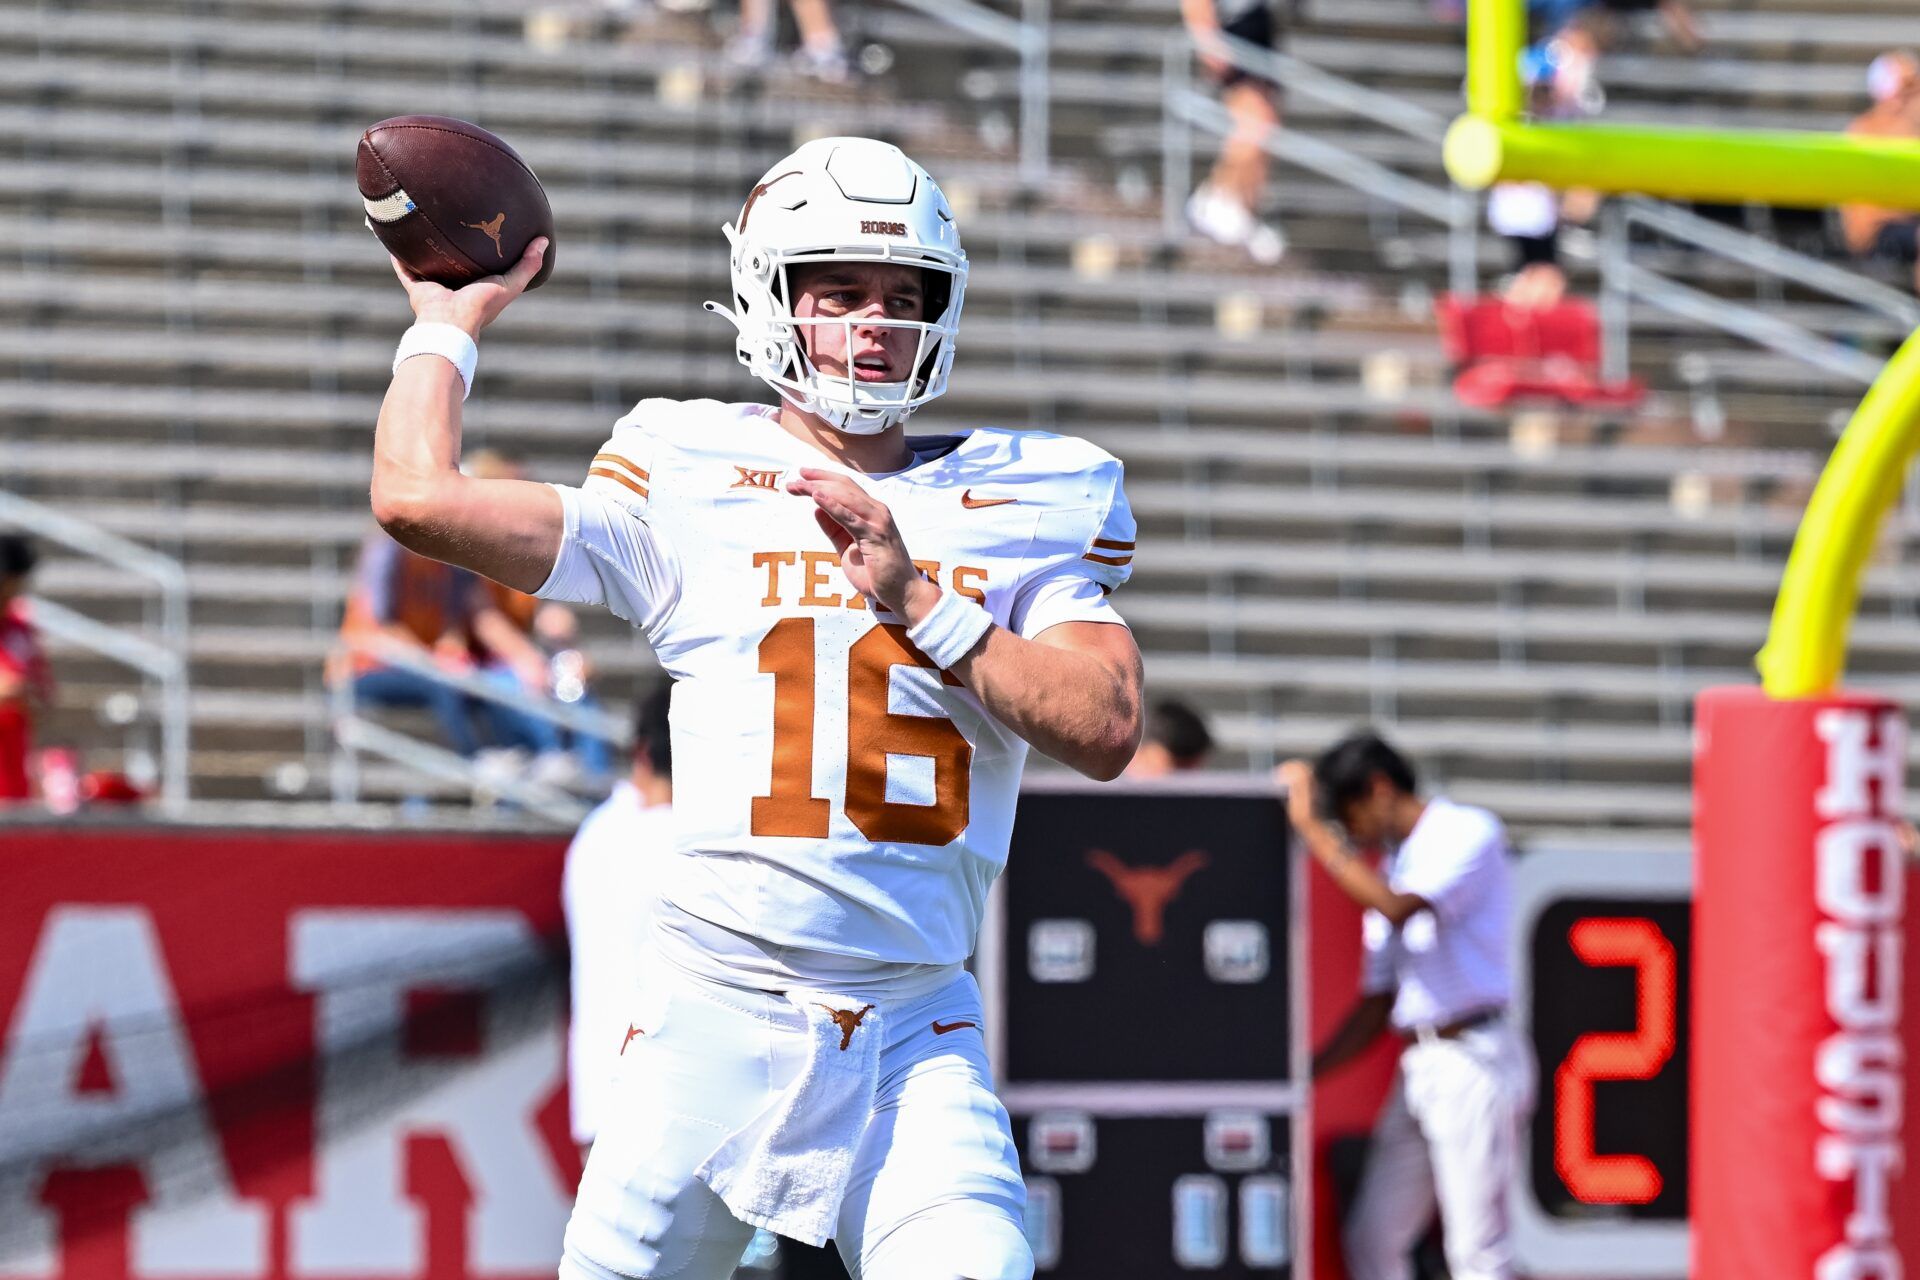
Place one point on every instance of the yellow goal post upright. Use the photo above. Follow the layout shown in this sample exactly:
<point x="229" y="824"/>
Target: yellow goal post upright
<point x="1800" y="880"/>
<point x="1492" y="142"/>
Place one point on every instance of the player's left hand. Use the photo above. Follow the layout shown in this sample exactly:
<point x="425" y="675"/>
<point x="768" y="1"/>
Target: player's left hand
<point x="873" y="555"/>
<point x="1296" y="776"/>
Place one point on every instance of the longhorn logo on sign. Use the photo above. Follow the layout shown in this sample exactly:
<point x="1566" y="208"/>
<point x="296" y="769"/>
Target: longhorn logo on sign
<point x="1148" y="890"/>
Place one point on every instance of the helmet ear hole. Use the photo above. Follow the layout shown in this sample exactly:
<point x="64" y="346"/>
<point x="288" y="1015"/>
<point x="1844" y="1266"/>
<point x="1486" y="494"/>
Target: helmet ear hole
<point x="937" y="288"/>
<point x="929" y="364"/>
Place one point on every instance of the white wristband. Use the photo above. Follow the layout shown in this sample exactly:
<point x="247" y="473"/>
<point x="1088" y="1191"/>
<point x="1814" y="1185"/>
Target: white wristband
<point x="950" y="630"/>
<point x="448" y="341"/>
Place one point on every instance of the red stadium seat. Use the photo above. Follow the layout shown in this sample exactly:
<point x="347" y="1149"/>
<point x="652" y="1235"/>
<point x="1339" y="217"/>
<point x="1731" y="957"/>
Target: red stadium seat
<point x="1504" y="353"/>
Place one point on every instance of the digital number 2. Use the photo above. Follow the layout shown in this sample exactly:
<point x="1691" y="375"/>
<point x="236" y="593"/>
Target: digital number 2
<point x="874" y="732"/>
<point x="1613" y="1055"/>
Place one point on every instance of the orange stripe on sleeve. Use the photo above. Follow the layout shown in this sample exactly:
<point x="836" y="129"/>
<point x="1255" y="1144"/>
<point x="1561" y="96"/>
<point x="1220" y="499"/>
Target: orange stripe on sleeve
<point x="607" y="473"/>
<point x="1112" y="560"/>
<point x="615" y="459"/>
<point x="1111" y="545"/>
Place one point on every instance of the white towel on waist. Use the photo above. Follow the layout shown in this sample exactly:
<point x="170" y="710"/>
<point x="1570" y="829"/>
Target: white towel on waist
<point x="788" y="1169"/>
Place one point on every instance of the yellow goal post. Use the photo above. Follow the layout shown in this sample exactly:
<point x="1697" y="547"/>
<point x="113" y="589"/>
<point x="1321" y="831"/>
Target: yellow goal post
<point x="1805" y="653"/>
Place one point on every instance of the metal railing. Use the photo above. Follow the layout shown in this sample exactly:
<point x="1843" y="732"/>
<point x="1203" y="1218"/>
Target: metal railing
<point x="1184" y="109"/>
<point x="165" y="663"/>
<point x="1621" y="279"/>
<point x="355" y="734"/>
<point x="1028" y="36"/>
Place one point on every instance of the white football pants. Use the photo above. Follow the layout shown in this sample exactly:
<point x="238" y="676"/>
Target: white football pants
<point x="1450" y="1132"/>
<point x="936" y="1192"/>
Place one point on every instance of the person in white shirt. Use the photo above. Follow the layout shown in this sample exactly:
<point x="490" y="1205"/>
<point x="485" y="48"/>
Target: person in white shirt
<point x="867" y="632"/>
<point x="607" y="887"/>
<point x="1436" y="973"/>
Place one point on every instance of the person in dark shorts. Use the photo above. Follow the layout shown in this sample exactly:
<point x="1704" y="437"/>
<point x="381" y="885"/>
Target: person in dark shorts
<point x="1225" y="207"/>
<point x="1897" y="241"/>
<point x="1560" y="86"/>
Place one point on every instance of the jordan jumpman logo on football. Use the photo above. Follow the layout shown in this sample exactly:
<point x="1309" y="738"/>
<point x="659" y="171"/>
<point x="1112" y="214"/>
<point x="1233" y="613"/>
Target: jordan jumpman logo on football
<point x="847" y="1020"/>
<point x="1148" y="890"/>
<point x="492" y="230"/>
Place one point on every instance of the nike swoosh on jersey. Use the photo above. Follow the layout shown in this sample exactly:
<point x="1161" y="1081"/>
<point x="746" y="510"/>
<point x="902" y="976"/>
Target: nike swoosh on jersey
<point x="940" y="1028"/>
<point x="972" y="503"/>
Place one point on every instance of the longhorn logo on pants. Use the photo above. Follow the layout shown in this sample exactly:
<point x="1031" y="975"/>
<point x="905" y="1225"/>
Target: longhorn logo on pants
<point x="847" y="1020"/>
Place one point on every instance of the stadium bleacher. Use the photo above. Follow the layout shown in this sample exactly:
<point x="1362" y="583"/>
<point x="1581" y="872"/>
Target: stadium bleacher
<point x="198" y="333"/>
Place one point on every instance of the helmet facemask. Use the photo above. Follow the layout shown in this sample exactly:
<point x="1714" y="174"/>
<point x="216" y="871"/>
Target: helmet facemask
<point x="770" y="338"/>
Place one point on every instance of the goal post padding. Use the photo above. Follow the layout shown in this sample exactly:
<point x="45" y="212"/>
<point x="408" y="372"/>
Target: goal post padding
<point x="1800" y="1067"/>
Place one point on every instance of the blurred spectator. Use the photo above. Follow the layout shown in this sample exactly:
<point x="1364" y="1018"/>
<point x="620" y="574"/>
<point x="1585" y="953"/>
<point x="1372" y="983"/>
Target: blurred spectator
<point x="1527" y="216"/>
<point x="1550" y="17"/>
<point x="26" y="682"/>
<point x="1676" y="16"/>
<point x="1888" y="236"/>
<point x="822" y="54"/>
<point x="533" y="648"/>
<point x="1437" y="913"/>
<point x="1560" y="86"/>
<point x="1177" y="741"/>
<point x="412" y="604"/>
<point x="607" y="891"/>
<point x="1225" y="207"/>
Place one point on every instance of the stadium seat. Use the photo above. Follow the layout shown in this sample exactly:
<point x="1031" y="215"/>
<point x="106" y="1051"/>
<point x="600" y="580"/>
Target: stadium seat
<point x="198" y="333"/>
<point x="1505" y="354"/>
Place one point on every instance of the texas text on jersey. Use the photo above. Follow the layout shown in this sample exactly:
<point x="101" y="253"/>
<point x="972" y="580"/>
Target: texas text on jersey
<point x="837" y="792"/>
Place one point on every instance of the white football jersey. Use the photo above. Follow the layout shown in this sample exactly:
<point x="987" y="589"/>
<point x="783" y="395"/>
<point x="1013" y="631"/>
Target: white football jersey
<point x="833" y="790"/>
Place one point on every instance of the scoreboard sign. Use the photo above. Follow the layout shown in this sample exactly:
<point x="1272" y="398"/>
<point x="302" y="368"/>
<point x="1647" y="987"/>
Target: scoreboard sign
<point x="1601" y="948"/>
<point x="1142" y="967"/>
<point x="1147" y="938"/>
<point x="1158" y="1195"/>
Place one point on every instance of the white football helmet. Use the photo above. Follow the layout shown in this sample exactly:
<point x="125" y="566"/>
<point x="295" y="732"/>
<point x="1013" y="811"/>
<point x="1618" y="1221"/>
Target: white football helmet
<point x="844" y="200"/>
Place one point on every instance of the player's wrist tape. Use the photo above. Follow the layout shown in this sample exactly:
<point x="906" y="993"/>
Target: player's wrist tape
<point x="950" y="630"/>
<point x="448" y="341"/>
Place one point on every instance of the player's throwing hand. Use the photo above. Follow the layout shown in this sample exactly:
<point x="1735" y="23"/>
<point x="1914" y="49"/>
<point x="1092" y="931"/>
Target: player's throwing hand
<point x="873" y="555"/>
<point x="475" y="306"/>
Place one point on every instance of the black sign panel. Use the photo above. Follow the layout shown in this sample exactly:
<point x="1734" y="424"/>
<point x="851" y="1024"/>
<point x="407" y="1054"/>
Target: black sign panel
<point x="1610" y="1025"/>
<point x="1157" y="1197"/>
<point x="1147" y="938"/>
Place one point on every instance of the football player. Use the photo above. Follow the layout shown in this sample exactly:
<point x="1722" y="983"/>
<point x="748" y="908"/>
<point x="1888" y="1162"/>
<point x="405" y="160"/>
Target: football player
<point x="867" y="631"/>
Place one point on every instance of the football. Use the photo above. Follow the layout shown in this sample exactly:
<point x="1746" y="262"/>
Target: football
<point x="453" y="202"/>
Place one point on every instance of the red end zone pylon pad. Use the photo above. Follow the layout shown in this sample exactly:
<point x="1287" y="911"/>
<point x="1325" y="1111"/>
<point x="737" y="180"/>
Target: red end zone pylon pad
<point x="1800" y="1068"/>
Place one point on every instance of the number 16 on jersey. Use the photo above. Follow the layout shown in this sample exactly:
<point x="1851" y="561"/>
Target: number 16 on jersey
<point x="790" y="654"/>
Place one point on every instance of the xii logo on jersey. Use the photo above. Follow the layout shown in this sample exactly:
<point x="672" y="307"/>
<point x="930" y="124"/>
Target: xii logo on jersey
<point x="751" y="479"/>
